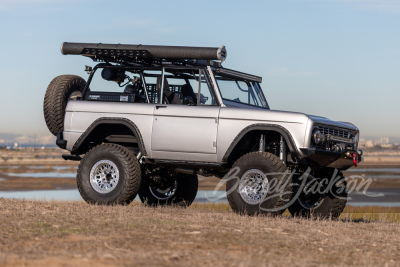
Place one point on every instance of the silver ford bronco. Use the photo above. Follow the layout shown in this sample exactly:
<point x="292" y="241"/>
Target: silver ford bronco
<point x="149" y="119"/>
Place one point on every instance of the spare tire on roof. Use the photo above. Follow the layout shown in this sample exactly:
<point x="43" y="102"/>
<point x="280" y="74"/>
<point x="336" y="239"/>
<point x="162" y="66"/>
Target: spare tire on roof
<point x="60" y="90"/>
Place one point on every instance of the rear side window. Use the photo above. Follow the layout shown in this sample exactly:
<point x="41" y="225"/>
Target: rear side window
<point x="190" y="86"/>
<point x="116" y="85"/>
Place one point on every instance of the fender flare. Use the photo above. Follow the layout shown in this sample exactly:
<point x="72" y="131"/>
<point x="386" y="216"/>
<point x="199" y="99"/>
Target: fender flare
<point x="267" y="127"/>
<point x="122" y="121"/>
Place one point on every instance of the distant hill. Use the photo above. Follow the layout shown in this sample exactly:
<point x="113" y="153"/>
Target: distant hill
<point x="8" y="136"/>
<point x="392" y="139"/>
<point x="8" y="139"/>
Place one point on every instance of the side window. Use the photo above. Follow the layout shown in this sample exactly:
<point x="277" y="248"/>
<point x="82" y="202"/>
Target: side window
<point x="241" y="91"/>
<point x="206" y="97"/>
<point x="190" y="89"/>
<point x="150" y="77"/>
<point x="112" y="84"/>
<point x="116" y="82"/>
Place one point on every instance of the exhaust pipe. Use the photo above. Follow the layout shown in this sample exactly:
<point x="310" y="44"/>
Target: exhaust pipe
<point x="185" y="171"/>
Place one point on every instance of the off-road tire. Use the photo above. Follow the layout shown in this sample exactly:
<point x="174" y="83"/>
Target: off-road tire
<point x="129" y="169"/>
<point x="331" y="207"/>
<point x="186" y="191"/>
<point x="56" y="98"/>
<point x="276" y="198"/>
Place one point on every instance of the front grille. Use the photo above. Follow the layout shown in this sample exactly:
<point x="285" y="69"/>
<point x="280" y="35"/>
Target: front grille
<point x="329" y="146"/>
<point x="337" y="132"/>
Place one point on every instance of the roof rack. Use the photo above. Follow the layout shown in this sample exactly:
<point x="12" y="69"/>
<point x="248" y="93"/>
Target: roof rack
<point x="144" y="54"/>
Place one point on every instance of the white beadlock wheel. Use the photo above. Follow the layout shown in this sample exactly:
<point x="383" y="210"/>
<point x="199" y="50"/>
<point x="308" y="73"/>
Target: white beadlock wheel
<point x="109" y="174"/>
<point x="253" y="186"/>
<point x="249" y="190"/>
<point x="104" y="176"/>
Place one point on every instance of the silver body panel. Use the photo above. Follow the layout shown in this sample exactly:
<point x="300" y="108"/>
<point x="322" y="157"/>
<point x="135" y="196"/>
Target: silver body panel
<point x="81" y="114"/>
<point x="192" y="133"/>
<point x="188" y="129"/>
<point x="233" y="120"/>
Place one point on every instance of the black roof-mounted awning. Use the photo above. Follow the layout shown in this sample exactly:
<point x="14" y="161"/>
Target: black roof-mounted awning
<point x="134" y="53"/>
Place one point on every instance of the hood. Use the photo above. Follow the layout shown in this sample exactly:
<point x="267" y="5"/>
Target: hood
<point x="263" y="115"/>
<point x="277" y="116"/>
<point x="326" y="121"/>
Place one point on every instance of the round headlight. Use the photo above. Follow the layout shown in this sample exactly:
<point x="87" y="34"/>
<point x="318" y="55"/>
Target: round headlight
<point x="318" y="137"/>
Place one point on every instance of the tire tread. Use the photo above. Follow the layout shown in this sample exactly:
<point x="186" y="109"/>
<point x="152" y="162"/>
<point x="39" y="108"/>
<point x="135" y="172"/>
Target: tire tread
<point x="132" y="170"/>
<point x="56" y="98"/>
<point x="279" y="167"/>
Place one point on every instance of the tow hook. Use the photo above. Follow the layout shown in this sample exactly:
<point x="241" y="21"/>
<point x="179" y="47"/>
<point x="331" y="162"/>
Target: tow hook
<point x="355" y="159"/>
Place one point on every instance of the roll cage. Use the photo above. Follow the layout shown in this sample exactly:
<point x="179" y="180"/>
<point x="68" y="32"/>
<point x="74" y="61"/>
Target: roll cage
<point x="177" y="72"/>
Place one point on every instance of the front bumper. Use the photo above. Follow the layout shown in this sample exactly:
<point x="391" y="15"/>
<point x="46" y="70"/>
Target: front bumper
<point x="338" y="160"/>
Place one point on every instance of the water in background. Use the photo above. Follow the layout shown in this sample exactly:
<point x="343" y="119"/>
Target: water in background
<point x="203" y="196"/>
<point x="391" y="198"/>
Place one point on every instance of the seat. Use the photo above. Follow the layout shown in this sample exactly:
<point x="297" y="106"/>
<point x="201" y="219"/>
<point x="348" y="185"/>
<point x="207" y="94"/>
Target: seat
<point x="136" y="90"/>
<point x="187" y="91"/>
<point x="131" y="89"/>
<point x="168" y="96"/>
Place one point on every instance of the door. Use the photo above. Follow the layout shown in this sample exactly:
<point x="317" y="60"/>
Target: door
<point x="190" y="126"/>
<point x="181" y="128"/>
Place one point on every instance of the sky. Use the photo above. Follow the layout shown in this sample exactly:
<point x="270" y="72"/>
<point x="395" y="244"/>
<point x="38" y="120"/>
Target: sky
<point x="334" y="58"/>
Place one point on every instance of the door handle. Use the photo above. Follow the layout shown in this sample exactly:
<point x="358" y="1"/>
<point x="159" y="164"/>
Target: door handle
<point x="157" y="107"/>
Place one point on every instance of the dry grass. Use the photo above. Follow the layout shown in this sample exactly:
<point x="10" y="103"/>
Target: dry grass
<point x="73" y="233"/>
<point x="22" y="184"/>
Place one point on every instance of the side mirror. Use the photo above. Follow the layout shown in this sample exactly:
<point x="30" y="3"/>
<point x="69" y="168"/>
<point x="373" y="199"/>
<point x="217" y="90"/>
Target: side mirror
<point x="88" y="69"/>
<point x="188" y="100"/>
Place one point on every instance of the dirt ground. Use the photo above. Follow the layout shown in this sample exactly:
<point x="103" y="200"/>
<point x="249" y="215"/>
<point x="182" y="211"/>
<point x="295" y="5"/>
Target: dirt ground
<point x="35" y="233"/>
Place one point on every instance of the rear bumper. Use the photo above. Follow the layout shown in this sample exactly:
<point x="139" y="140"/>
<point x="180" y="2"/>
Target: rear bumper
<point x="330" y="159"/>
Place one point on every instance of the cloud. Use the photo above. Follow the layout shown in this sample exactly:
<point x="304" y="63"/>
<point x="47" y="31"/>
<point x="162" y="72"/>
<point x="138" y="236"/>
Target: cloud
<point x="289" y="73"/>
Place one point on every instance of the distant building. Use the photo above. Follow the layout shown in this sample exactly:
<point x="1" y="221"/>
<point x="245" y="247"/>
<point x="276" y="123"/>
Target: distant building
<point x="384" y="140"/>
<point x="369" y="144"/>
<point x="362" y="142"/>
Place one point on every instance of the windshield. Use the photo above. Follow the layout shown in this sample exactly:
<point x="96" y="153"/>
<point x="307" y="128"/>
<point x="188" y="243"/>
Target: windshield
<point x="241" y="91"/>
